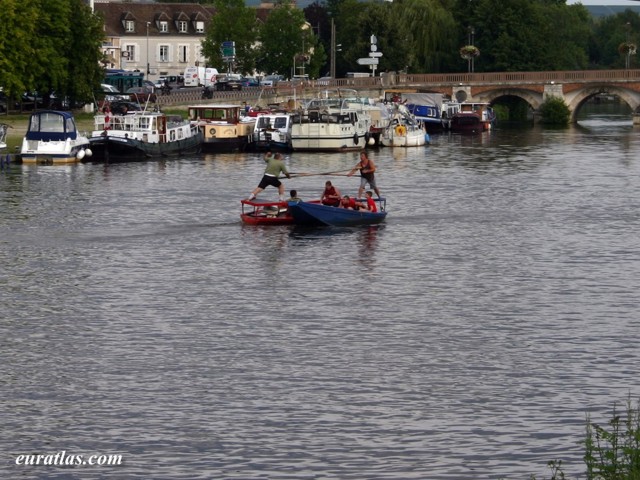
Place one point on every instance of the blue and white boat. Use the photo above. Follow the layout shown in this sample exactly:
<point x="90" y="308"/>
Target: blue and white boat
<point x="311" y="213"/>
<point x="52" y="138"/>
<point x="272" y="131"/>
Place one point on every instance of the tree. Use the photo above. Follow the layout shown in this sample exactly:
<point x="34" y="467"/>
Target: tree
<point x="608" y="33"/>
<point x="235" y="22"/>
<point x="50" y="45"/>
<point x="530" y="36"/>
<point x="84" y="71"/>
<point x="284" y="36"/>
<point x="429" y="26"/>
<point x="17" y="30"/>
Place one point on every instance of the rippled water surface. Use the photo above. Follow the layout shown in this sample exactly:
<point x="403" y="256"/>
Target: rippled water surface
<point x="466" y="338"/>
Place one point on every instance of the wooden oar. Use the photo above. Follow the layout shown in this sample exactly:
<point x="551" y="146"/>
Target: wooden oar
<point x="304" y="174"/>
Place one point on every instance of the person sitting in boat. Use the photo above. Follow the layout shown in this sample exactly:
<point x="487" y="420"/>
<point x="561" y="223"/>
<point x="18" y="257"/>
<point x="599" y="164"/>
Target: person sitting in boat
<point x="349" y="203"/>
<point x="275" y="165"/>
<point x="294" y="196"/>
<point x="331" y="195"/>
<point x="371" y="204"/>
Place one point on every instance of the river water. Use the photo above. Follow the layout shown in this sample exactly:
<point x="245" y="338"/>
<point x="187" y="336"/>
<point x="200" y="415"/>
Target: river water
<point x="468" y="337"/>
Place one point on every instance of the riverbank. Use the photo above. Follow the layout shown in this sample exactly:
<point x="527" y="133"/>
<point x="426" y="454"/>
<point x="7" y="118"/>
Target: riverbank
<point x="19" y="122"/>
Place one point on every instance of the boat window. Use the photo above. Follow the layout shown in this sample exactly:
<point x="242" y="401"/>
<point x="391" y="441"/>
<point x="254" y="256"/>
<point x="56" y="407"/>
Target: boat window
<point x="144" y="123"/>
<point x="71" y="126"/>
<point x="263" y="122"/>
<point x="51" y="123"/>
<point x="34" y="125"/>
<point x="280" y="122"/>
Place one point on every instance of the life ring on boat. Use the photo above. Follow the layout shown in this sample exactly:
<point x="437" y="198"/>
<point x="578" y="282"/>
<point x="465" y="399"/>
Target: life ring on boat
<point x="355" y="139"/>
<point x="401" y="130"/>
<point x="212" y="131"/>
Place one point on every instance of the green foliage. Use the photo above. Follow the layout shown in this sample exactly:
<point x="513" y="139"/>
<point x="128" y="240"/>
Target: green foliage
<point x="610" y="454"/>
<point x="18" y="21"/>
<point x="283" y="36"/>
<point x="555" y="112"/>
<point x="607" y="35"/>
<point x="48" y="45"/>
<point x="234" y="22"/>
<point x="614" y="453"/>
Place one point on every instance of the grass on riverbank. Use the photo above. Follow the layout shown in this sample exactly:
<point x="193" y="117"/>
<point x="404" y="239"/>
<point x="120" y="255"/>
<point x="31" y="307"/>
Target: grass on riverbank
<point x="18" y="125"/>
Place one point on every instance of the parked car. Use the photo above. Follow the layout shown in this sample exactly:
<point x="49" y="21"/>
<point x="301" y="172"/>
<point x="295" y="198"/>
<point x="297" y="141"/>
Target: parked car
<point x="58" y="102"/>
<point x="4" y="102"/>
<point x="250" y="82"/>
<point x="174" y="81"/>
<point x="122" y="108"/>
<point x="112" y="94"/>
<point x="271" y="80"/>
<point x="141" y="94"/>
<point x="150" y="85"/>
<point x="229" y="82"/>
<point x="31" y="100"/>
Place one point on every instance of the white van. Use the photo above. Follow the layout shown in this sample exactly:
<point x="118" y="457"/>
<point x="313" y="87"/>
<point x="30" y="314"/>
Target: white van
<point x="200" y="76"/>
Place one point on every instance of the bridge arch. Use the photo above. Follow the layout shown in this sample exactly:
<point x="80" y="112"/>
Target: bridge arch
<point x="576" y="99"/>
<point x="532" y="97"/>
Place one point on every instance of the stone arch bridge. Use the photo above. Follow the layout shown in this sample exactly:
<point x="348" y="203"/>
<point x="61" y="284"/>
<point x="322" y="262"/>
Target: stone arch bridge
<point x="575" y="87"/>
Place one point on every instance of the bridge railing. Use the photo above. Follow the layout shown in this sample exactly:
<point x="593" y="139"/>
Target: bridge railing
<point x="285" y="90"/>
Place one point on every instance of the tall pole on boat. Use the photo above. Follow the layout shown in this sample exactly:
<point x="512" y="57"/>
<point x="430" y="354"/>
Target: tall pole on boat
<point x="148" y="23"/>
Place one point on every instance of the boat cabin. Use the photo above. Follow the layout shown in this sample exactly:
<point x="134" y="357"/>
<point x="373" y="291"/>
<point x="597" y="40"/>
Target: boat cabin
<point x="51" y="126"/>
<point x="214" y="113"/>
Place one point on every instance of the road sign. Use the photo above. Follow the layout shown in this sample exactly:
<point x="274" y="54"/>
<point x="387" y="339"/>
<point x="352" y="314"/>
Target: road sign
<point x="228" y="50"/>
<point x="375" y="54"/>
<point x="367" y="61"/>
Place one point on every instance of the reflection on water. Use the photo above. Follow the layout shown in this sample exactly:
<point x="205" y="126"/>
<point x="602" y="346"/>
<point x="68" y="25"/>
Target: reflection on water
<point x="466" y="337"/>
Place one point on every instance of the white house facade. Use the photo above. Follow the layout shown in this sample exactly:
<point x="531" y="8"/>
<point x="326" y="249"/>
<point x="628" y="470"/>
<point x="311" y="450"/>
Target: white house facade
<point x="154" y="38"/>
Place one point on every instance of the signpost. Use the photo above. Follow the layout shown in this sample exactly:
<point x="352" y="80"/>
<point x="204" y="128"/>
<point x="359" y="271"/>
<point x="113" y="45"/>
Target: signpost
<point x="228" y="53"/>
<point x="374" y="56"/>
<point x="367" y="61"/>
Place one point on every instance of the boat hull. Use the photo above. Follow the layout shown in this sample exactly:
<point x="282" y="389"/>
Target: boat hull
<point x="48" y="156"/>
<point x="306" y="213"/>
<point x="415" y="138"/>
<point x="327" y="138"/>
<point x="265" y="213"/>
<point x="114" y="149"/>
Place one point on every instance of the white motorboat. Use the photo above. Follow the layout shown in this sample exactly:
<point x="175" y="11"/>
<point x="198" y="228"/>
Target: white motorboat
<point x="336" y="121"/>
<point x="52" y="138"/>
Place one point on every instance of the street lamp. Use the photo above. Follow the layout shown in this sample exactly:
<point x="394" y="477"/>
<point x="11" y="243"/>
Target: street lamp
<point x="471" y="61"/>
<point x="627" y="61"/>
<point x="334" y="48"/>
<point x="148" y="71"/>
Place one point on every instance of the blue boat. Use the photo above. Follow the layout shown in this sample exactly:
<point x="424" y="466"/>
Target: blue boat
<point x="306" y="213"/>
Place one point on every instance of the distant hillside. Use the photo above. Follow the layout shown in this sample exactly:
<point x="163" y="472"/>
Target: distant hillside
<point x="606" y="10"/>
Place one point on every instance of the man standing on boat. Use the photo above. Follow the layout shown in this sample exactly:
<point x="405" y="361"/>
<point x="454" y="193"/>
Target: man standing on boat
<point x="367" y="169"/>
<point x="275" y="165"/>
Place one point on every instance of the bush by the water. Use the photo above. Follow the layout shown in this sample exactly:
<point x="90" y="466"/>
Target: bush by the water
<point x="611" y="453"/>
<point x="555" y="112"/>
